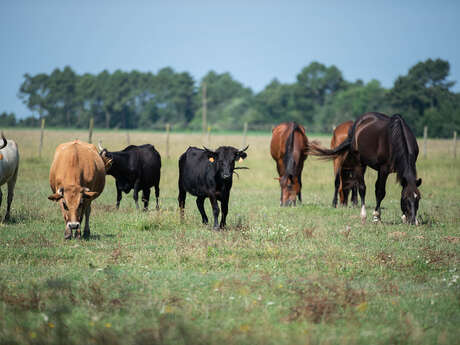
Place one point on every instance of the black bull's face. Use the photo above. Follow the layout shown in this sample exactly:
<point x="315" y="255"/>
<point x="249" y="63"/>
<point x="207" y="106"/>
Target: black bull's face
<point x="224" y="158"/>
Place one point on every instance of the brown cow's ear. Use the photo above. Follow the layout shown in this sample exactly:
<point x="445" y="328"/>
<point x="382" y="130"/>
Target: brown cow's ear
<point x="89" y="195"/>
<point x="55" y="197"/>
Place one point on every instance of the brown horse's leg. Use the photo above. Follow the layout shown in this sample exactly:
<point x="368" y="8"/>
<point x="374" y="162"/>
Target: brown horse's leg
<point x="336" y="189"/>
<point x="343" y="201"/>
<point x="380" y="185"/>
<point x="300" y="189"/>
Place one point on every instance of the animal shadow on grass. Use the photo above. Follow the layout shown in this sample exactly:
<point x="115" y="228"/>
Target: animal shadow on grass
<point x="97" y="237"/>
<point x="21" y="216"/>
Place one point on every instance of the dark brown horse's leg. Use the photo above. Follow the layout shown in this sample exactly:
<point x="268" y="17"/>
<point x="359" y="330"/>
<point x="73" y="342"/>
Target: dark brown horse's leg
<point x="362" y="191"/>
<point x="380" y="185"/>
<point x="354" y="196"/>
<point x="345" y="193"/>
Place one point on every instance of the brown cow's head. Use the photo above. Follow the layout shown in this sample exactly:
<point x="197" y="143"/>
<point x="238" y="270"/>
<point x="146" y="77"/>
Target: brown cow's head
<point x="73" y="201"/>
<point x="290" y="188"/>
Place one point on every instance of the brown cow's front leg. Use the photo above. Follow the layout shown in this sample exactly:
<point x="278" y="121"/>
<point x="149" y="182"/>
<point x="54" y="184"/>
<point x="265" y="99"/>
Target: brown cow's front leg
<point x="86" y="232"/>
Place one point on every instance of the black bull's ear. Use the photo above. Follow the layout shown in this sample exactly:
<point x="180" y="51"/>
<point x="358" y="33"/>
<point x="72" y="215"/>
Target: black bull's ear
<point x="211" y="155"/>
<point x="418" y="182"/>
<point x="242" y="154"/>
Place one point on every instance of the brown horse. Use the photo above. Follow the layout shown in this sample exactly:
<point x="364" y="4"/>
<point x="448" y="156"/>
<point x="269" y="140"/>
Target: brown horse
<point x="344" y="169"/>
<point x="387" y="145"/>
<point x="288" y="148"/>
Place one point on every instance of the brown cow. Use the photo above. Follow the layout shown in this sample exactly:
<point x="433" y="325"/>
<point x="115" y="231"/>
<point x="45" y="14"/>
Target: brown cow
<point x="344" y="173"/>
<point x="77" y="177"/>
<point x="288" y="149"/>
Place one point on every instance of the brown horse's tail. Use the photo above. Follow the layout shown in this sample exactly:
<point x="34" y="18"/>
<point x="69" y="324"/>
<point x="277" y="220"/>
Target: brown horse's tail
<point x="315" y="149"/>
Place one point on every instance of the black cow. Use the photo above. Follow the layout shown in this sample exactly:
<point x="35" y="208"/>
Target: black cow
<point x="136" y="167"/>
<point x="208" y="174"/>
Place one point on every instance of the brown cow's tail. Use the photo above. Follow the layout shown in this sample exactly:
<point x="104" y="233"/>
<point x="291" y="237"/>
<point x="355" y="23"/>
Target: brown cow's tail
<point x="315" y="149"/>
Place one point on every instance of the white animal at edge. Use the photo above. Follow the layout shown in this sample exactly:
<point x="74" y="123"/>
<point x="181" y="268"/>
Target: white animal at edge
<point x="9" y="164"/>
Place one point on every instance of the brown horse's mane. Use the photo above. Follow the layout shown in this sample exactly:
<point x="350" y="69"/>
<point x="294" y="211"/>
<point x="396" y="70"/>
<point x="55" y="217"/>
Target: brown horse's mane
<point x="288" y="159"/>
<point x="404" y="149"/>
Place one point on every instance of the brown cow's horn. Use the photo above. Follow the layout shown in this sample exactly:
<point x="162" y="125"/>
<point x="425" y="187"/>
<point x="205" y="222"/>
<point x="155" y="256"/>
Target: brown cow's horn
<point x="4" y="141"/>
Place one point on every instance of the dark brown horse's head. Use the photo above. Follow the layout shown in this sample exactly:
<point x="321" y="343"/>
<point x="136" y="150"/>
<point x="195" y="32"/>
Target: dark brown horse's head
<point x="410" y="197"/>
<point x="290" y="188"/>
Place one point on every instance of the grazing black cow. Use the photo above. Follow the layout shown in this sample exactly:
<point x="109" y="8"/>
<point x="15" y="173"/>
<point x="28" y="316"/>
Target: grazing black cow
<point x="136" y="167"/>
<point x="208" y="174"/>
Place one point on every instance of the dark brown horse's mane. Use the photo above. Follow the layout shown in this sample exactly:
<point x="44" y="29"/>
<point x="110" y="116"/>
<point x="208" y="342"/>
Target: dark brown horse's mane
<point x="404" y="149"/>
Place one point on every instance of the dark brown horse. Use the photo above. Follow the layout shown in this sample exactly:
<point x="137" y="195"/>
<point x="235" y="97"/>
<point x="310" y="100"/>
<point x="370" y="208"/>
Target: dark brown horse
<point x="288" y="148"/>
<point x="344" y="169"/>
<point x="387" y="145"/>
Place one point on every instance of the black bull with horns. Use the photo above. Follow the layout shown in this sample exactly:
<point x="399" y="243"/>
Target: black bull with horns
<point x="135" y="167"/>
<point x="208" y="174"/>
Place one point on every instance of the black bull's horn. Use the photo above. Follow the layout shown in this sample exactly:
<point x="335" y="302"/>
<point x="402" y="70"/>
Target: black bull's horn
<point x="99" y="146"/>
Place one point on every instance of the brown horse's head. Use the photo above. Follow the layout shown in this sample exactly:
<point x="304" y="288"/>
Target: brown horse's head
<point x="410" y="197"/>
<point x="290" y="188"/>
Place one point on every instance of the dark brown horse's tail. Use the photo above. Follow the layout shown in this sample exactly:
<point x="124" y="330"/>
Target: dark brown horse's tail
<point x="315" y="149"/>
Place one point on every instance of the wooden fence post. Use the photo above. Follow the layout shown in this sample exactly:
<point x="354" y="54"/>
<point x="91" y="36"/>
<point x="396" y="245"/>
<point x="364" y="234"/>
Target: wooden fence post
<point x="168" y="127"/>
<point x="454" y="144"/>
<point x="245" y="131"/>
<point x="425" y="138"/>
<point x="209" y="136"/>
<point x="91" y="125"/>
<point x="128" y="140"/>
<point x="41" y="138"/>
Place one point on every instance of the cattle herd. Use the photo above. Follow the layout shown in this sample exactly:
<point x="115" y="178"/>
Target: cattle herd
<point x="78" y="171"/>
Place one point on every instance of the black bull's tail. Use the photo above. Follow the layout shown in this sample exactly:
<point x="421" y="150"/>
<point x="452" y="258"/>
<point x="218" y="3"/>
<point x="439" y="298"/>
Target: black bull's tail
<point x="315" y="149"/>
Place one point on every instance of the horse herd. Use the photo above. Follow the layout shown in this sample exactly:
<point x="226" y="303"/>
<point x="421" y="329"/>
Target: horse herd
<point x="386" y="144"/>
<point x="78" y="171"/>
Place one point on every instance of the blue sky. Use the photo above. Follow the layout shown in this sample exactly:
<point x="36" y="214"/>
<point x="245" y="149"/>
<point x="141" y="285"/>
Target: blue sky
<point x="256" y="41"/>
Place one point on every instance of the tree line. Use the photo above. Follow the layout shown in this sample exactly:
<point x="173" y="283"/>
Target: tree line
<point x="319" y="99"/>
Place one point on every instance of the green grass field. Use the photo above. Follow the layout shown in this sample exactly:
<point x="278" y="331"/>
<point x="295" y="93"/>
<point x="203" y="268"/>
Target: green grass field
<point x="275" y="276"/>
